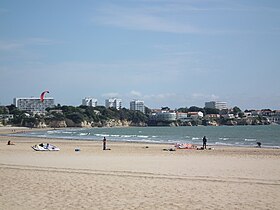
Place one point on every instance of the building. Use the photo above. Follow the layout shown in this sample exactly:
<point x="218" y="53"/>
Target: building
<point x="195" y="115"/>
<point x="113" y="103"/>
<point x="163" y="116"/>
<point x="88" y="101"/>
<point x="33" y="104"/>
<point x="137" y="105"/>
<point x="216" y="105"/>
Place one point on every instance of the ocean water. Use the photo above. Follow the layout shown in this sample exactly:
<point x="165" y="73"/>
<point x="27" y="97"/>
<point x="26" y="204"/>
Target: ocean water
<point x="268" y="135"/>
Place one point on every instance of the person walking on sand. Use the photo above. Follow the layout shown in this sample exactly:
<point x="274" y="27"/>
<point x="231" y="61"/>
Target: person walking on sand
<point x="204" y="142"/>
<point x="104" y="143"/>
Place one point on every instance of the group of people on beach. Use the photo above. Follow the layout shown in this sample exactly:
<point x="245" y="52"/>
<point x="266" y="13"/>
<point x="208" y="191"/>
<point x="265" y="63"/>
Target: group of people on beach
<point x="204" y="143"/>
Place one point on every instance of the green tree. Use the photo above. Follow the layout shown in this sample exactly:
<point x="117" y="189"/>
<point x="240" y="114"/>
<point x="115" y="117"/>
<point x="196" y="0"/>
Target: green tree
<point x="236" y="110"/>
<point x="185" y="110"/>
<point x="195" y="109"/>
<point x="211" y="111"/>
<point x="75" y="117"/>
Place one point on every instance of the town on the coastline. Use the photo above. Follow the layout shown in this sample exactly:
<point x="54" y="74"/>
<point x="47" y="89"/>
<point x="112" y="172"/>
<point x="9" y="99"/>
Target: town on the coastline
<point x="35" y="112"/>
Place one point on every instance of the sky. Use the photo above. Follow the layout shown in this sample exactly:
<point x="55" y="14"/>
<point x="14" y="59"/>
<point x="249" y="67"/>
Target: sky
<point x="175" y="53"/>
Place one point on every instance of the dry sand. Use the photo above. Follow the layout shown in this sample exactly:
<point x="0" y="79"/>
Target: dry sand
<point x="131" y="176"/>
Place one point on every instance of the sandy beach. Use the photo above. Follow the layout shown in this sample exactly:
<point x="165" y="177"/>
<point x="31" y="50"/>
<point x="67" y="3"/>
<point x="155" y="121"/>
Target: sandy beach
<point x="135" y="176"/>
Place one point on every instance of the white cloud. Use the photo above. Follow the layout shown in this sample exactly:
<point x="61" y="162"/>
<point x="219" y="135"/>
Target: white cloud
<point x="135" y="93"/>
<point x="201" y="96"/>
<point x="9" y="46"/>
<point x="110" y="95"/>
<point x="140" y="19"/>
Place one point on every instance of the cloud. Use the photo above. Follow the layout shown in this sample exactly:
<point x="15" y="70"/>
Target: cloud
<point x="9" y="45"/>
<point x="180" y="17"/>
<point x="201" y="96"/>
<point x="110" y="95"/>
<point x="140" y="19"/>
<point x="135" y="93"/>
<point x="23" y="49"/>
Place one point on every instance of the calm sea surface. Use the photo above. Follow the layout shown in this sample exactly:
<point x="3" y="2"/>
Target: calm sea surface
<point x="269" y="136"/>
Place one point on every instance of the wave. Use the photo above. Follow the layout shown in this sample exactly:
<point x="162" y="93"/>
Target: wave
<point x="269" y="136"/>
<point x="224" y="139"/>
<point x="250" y="140"/>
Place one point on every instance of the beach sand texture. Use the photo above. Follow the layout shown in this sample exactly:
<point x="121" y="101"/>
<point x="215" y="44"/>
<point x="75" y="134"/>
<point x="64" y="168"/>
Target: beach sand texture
<point x="131" y="176"/>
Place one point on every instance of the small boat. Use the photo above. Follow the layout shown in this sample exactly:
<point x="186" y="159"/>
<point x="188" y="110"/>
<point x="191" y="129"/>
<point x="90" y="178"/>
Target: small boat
<point x="45" y="147"/>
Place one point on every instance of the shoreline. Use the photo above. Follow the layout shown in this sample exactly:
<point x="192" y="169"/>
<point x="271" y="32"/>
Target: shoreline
<point x="10" y="130"/>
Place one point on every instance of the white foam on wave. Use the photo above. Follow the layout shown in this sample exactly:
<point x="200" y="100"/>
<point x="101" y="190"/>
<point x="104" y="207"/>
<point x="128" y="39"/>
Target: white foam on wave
<point x="127" y="136"/>
<point x="115" y="135"/>
<point x="143" y="136"/>
<point x="249" y="139"/>
<point x="222" y="143"/>
<point x="84" y="134"/>
<point x="224" y="139"/>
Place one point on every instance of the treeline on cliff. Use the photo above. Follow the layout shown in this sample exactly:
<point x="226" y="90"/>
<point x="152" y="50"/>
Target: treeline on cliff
<point x="75" y="116"/>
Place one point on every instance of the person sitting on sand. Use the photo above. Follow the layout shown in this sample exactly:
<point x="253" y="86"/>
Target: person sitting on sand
<point x="10" y="143"/>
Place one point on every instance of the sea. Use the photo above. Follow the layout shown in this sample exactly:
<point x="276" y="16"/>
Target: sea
<point x="243" y="136"/>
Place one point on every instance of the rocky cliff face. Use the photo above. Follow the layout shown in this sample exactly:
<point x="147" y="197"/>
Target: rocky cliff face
<point x="58" y="124"/>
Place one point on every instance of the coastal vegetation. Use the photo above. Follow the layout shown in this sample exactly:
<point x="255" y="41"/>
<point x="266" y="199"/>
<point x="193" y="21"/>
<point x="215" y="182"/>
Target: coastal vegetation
<point x="100" y="116"/>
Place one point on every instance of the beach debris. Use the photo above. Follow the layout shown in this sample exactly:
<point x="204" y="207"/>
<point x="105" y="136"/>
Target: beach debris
<point x="170" y="149"/>
<point x="77" y="149"/>
<point x="43" y="95"/>
<point x="201" y="148"/>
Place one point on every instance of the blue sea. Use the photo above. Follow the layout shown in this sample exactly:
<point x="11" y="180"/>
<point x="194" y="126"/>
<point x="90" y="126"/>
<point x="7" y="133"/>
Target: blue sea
<point x="246" y="136"/>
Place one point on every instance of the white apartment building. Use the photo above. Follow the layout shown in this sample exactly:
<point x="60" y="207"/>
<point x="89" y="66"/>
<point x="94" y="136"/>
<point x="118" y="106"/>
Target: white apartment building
<point x="137" y="105"/>
<point x="113" y="103"/>
<point x="33" y="104"/>
<point x="216" y="105"/>
<point x="88" y="101"/>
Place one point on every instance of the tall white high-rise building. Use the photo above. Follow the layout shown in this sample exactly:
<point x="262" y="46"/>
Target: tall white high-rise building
<point x="216" y="105"/>
<point x="137" y="105"/>
<point x="113" y="103"/>
<point x="88" y="101"/>
<point x="33" y="104"/>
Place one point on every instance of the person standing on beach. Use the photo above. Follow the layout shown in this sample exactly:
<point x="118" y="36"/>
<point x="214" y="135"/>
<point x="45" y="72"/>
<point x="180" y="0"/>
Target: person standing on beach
<point x="104" y="143"/>
<point x="204" y="142"/>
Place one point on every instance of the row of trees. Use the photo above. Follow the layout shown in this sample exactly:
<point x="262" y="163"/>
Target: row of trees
<point x="98" y="114"/>
<point x="94" y="114"/>
<point x="77" y="115"/>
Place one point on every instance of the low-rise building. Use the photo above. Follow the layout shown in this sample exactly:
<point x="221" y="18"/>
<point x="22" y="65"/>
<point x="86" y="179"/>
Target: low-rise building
<point x="163" y="116"/>
<point x="274" y="117"/>
<point x="195" y="115"/>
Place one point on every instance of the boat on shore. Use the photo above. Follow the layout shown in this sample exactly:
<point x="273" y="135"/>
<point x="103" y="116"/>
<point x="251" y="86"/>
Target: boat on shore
<point x="45" y="147"/>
